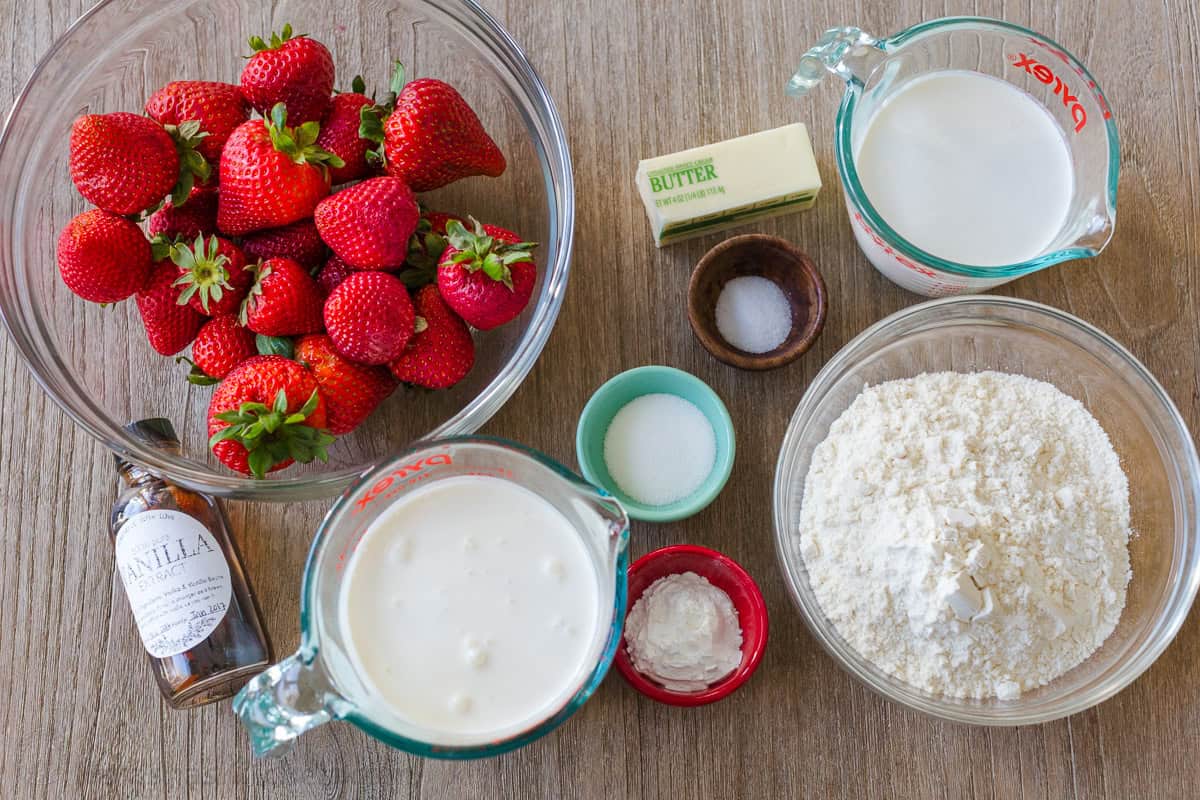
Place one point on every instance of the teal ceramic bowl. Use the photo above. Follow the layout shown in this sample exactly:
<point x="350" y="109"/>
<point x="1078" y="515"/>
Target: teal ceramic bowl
<point x="630" y="385"/>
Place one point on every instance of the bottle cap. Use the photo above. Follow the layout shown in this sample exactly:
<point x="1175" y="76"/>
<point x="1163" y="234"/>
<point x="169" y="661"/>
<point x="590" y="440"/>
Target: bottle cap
<point x="156" y="432"/>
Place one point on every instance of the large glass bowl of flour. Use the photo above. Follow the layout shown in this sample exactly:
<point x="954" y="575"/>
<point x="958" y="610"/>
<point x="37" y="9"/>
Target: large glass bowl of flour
<point x="973" y="334"/>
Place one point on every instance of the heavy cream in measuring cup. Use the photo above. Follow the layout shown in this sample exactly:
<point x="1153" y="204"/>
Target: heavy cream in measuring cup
<point x="471" y="609"/>
<point x="967" y="167"/>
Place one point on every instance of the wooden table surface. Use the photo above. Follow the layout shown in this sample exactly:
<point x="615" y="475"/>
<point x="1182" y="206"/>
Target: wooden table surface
<point x="79" y="713"/>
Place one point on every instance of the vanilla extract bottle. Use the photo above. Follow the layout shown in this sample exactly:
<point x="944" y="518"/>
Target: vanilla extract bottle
<point x="193" y="607"/>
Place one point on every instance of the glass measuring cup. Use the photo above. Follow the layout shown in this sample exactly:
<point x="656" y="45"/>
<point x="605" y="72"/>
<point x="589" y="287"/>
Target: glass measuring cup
<point x="319" y="682"/>
<point x="875" y="69"/>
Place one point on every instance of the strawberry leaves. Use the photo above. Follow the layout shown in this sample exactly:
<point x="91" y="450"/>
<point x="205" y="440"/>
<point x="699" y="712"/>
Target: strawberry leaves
<point x="277" y="39"/>
<point x="202" y="271"/>
<point x="371" y="117"/>
<point x="196" y="375"/>
<point x="477" y="251"/>
<point x="299" y="144"/>
<point x="192" y="166"/>
<point x="272" y="435"/>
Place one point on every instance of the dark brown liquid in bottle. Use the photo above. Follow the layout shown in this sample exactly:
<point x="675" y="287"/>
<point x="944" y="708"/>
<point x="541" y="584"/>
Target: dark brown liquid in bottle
<point x="237" y="648"/>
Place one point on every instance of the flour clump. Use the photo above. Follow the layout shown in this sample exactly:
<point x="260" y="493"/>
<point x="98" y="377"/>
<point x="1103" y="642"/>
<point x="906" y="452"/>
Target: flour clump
<point x="968" y="533"/>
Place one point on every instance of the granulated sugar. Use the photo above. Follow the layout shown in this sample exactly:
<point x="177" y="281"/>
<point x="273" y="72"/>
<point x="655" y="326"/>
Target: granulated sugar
<point x="968" y="533"/>
<point x="753" y="314"/>
<point x="659" y="448"/>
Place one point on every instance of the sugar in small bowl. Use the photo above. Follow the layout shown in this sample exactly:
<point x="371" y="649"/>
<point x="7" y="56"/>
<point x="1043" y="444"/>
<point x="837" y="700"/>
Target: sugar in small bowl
<point x="659" y="440"/>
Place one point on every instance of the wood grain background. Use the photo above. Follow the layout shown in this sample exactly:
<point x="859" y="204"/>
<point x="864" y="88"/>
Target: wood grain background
<point x="80" y="716"/>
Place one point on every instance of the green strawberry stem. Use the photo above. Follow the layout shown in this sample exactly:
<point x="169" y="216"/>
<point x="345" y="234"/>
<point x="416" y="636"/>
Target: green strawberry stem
<point x="261" y="271"/>
<point x="274" y="345"/>
<point x="271" y="435"/>
<point x="202" y="271"/>
<point x="277" y="39"/>
<point x="478" y="251"/>
<point x="197" y="376"/>
<point x="370" y="119"/>
<point x="192" y="166"/>
<point x="299" y="144"/>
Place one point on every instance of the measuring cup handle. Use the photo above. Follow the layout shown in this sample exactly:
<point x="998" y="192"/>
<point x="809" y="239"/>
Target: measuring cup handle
<point x="837" y="52"/>
<point x="284" y="701"/>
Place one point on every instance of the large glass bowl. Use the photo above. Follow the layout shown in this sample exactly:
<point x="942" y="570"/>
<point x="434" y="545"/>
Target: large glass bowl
<point x="967" y="334"/>
<point x="96" y="363"/>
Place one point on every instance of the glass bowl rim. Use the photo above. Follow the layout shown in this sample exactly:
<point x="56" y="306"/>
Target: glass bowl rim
<point x="553" y="154"/>
<point x="1180" y="595"/>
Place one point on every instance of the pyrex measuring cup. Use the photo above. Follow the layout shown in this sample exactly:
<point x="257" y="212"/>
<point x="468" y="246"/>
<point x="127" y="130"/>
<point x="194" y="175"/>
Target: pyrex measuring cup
<point x="319" y="683"/>
<point x="875" y="69"/>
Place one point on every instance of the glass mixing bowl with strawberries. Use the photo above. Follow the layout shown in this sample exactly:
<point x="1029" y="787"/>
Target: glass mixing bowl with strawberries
<point x="304" y="269"/>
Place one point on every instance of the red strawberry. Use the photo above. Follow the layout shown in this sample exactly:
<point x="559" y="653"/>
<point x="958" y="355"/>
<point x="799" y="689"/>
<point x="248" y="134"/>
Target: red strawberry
<point x="195" y="217"/>
<point x="369" y="317"/>
<point x="170" y="325"/>
<point x="126" y="163"/>
<point x="296" y="72"/>
<point x="266" y="414"/>
<point x="212" y="275"/>
<point x="441" y="352"/>
<point x="334" y="272"/>
<point x="221" y="345"/>
<point x="368" y="224"/>
<point x="339" y="134"/>
<point x="298" y="241"/>
<point x="271" y="175"/>
<point x="284" y="301"/>
<point x="486" y="275"/>
<point x="102" y="257"/>
<point x="425" y="248"/>
<point x="351" y="391"/>
<point x="218" y="107"/>
<point x="433" y="138"/>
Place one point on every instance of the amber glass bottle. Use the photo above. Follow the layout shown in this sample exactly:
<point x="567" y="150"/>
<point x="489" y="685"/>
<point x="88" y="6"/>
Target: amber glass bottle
<point x="189" y="595"/>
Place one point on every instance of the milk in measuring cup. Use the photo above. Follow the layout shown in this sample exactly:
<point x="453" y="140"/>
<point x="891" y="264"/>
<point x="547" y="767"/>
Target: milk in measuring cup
<point x="967" y="167"/>
<point x="471" y="606"/>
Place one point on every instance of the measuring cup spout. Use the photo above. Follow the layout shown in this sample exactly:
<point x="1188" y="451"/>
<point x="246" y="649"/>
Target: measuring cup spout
<point x="848" y="53"/>
<point x="286" y="700"/>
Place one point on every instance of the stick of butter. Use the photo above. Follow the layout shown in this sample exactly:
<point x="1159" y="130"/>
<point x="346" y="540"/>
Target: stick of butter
<point x="729" y="183"/>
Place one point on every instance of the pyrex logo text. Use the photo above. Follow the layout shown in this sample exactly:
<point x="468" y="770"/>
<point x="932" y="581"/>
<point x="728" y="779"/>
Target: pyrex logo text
<point x="1047" y="76"/>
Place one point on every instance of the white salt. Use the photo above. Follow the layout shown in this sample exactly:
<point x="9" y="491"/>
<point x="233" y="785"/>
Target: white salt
<point x="659" y="448"/>
<point x="753" y="314"/>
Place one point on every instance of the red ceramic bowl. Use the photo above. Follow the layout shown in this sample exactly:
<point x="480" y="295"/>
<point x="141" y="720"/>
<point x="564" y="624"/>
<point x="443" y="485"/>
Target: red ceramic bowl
<point x="728" y="576"/>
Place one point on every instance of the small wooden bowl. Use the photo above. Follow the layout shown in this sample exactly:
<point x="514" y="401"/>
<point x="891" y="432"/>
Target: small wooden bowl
<point x="768" y="257"/>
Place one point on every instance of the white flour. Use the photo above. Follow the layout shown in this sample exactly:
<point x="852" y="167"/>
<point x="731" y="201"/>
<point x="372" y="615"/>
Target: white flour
<point x="967" y="533"/>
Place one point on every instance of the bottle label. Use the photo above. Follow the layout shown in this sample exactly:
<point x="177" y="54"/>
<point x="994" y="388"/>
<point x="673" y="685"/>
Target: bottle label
<point x="176" y="578"/>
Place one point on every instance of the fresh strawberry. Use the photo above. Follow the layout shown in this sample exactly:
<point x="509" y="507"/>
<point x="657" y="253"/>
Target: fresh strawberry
<point x="425" y="248"/>
<point x="441" y="352"/>
<point x="368" y="224"/>
<point x="195" y="217"/>
<point x="102" y="257"/>
<point x="212" y="275"/>
<point x="298" y="241"/>
<point x="271" y="175"/>
<point x="266" y="414"/>
<point x="351" y="391"/>
<point x="334" y="272"/>
<point x="339" y="134"/>
<point x="486" y="275"/>
<point x="297" y="72"/>
<point x="369" y="317"/>
<point x="170" y="325"/>
<point x="218" y="107"/>
<point x="126" y="163"/>
<point x="433" y="138"/>
<point x="284" y="301"/>
<point x="221" y="345"/>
